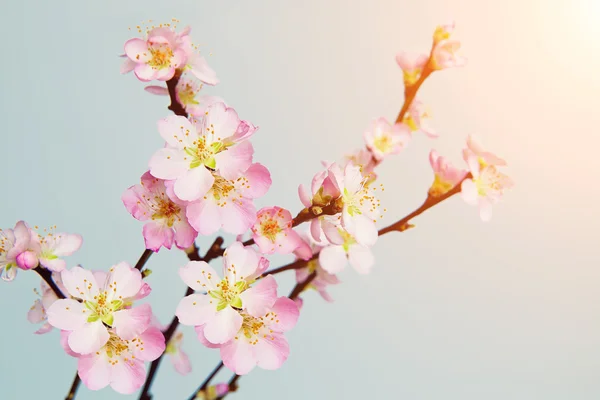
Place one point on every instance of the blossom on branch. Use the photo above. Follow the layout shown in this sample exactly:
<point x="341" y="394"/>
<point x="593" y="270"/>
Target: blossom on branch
<point x="417" y="117"/>
<point x="384" y="139"/>
<point x="14" y="253"/>
<point x="345" y="249"/>
<point x="104" y="302"/>
<point x="213" y="392"/>
<point x="179" y="359"/>
<point x="412" y="66"/>
<point x="168" y="223"/>
<point x="218" y="304"/>
<point x="37" y="313"/>
<point x="322" y="278"/>
<point x="446" y="176"/>
<point x="273" y="231"/>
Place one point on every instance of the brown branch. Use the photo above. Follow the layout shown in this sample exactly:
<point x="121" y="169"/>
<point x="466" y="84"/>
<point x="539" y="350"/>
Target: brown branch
<point x="143" y="259"/>
<point x="47" y="277"/>
<point x="207" y="381"/>
<point x="175" y="106"/>
<point x="193" y="255"/>
<point x="74" y="387"/>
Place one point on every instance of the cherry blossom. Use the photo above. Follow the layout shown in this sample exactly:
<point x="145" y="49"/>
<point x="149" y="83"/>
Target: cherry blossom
<point x="366" y="161"/>
<point x="105" y="301"/>
<point x="443" y="32"/>
<point x="417" y="119"/>
<point x="195" y="148"/>
<point x="179" y="358"/>
<point x="384" y="139"/>
<point x="149" y="201"/>
<point x="213" y="392"/>
<point x="488" y="184"/>
<point x="52" y="246"/>
<point x="343" y="250"/>
<point x="228" y="204"/>
<point x="217" y="304"/>
<point x="118" y="362"/>
<point x="446" y="176"/>
<point x="14" y="242"/>
<point x="37" y="312"/>
<point x="260" y="340"/>
<point x="186" y="92"/>
<point x="273" y="231"/>
<point x="412" y="66"/>
<point x="322" y="278"/>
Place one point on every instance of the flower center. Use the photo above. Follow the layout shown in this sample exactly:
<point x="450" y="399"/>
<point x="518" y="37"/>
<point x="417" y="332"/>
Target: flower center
<point x="103" y="310"/>
<point x="203" y="154"/>
<point x="439" y="186"/>
<point x="228" y="295"/>
<point x="165" y="209"/>
<point x="383" y="143"/>
<point x="222" y="188"/>
<point x="491" y="181"/>
<point x="348" y="239"/>
<point x="270" y="228"/>
<point x="187" y="94"/>
<point x="161" y="55"/>
<point x="115" y="347"/>
<point x="360" y="201"/>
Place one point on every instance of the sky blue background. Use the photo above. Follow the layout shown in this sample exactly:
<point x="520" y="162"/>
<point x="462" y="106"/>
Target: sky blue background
<point x="455" y="309"/>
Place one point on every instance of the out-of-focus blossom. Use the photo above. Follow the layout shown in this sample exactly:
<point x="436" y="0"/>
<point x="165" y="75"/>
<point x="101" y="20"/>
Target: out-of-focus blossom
<point x="13" y="242"/>
<point x="384" y="139"/>
<point x="343" y="250"/>
<point x="216" y="305"/>
<point x="322" y="278"/>
<point x="103" y="303"/>
<point x="273" y="231"/>
<point x="417" y="119"/>
<point x="179" y="359"/>
<point x="51" y="247"/>
<point x="149" y="201"/>
<point x="213" y="392"/>
<point x="37" y="312"/>
<point x="412" y="66"/>
<point x="443" y="32"/>
<point x="367" y="163"/>
<point x="446" y="176"/>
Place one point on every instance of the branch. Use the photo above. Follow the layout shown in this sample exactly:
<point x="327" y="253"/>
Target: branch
<point x="193" y="255"/>
<point x="206" y="382"/>
<point x="47" y="277"/>
<point x="175" y="106"/>
<point x="74" y="387"/>
<point x="143" y="259"/>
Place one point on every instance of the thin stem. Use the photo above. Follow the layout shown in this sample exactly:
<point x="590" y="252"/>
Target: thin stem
<point x="143" y="259"/>
<point x="74" y="387"/>
<point x="175" y="106"/>
<point x="207" y="381"/>
<point x="47" y="277"/>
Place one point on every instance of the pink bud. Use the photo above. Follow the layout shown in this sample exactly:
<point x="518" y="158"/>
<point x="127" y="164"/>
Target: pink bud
<point x="27" y="260"/>
<point x="222" y="389"/>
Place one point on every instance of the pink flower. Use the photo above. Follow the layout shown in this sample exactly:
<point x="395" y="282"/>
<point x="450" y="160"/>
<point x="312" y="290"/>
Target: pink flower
<point x="443" y="32"/>
<point x="416" y="119"/>
<point x="260" y="340"/>
<point x="488" y="184"/>
<point x="119" y="362"/>
<point x="179" y="358"/>
<point x="216" y="306"/>
<point x="37" y="312"/>
<point x="345" y="249"/>
<point x="228" y="204"/>
<point x="50" y="248"/>
<point x="446" y="176"/>
<point x="213" y="392"/>
<point x="156" y="57"/>
<point x="322" y="278"/>
<point x="273" y="231"/>
<point x="384" y="139"/>
<point x="365" y="160"/>
<point x="193" y="150"/>
<point x="445" y="55"/>
<point x="168" y="223"/>
<point x="105" y="299"/>
<point x="13" y="242"/>
<point x="412" y="66"/>
<point x="186" y="91"/>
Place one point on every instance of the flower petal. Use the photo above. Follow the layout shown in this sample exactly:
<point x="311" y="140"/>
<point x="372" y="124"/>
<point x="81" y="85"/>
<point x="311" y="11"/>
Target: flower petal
<point x="168" y="163"/>
<point x="131" y="322"/>
<point x="238" y="356"/>
<point x="149" y="345"/>
<point x="271" y="352"/>
<point x="199" y="276"/>
<point x="67" y="314"/>
<point x="361" y="258"/>
<point x="196" y="309"/>
<point x="224" y="326"/>
<point x="286" y="315"/>
<point x="260" y="298"/>
<point x="126" y="281"/>
<point x="94" y="370"/>
<point x="333" y="259"/>
<point x="194" y="183"/>
<point x="88" y="338"/>
<point x="177" y="131"/>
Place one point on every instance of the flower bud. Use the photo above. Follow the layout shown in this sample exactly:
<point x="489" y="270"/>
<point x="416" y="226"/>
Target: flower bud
<point x="27" y="260"/>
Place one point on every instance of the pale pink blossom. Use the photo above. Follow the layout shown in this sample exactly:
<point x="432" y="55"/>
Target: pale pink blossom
<point x="119" y="362"/>
<point x="322" y="278"/>
<point x="216" y="305"/>
<point x="179" y="358"/>
<point x="213" y="392"/>
<point x="51" y="247"/>
<point x="260" y="340"/>
<point x="194" y="149"/>
<point x="149" y="201"/>
<point x="273" y="231"/>
<point x="228" y="204"/>
<point x="412" y="66"/>
<point x="445" y="55"/>
<point x="443" y="32"/>
<point x="446" y="176"/>
<point x="417" y="119"/>
<point x="367" y="163"/>
<point x="343" y="250"/>
<point x="13" y="242"/>
<point x="104" y="302"/>
<point x="488" y="184"/>
<point x="37" y="312"/>
<point x="384" y="139"/>
<point x="186" y="92"/>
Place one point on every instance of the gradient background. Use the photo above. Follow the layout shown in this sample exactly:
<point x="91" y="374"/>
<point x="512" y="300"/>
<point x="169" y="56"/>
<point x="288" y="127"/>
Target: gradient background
<point x="455" y="309"/>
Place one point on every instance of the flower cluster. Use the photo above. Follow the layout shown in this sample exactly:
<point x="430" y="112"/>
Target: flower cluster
<point x="203" y="180"/>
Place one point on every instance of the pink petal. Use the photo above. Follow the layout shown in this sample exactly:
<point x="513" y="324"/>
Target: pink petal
<point x="194" y="183"/>
<point x="36" y="313"/>
<point x="238" y="356"/>
<point x="224" y="326"/>
<point x="201" y="70"/>
<point x="67" y="314"/>
<point x="258" y="299"/>
<point x="44" y="329"/>
<point x="288" y="241"/>
<point x="181" y="362"/>
<point x="199" y="276"/>
<point x="235" y="161"/>
<point x="157" y="234"/>
<point x="238" y="217"/>
<point x="196" y="309"/>
<point x="64" y="342"/>
<point x="126" y="280"/>
<point x="287" y="313"/>
<point x="184" y="234"/>
<point x="204" y="216"/>
<point x="333" y="259"/>
<point x="200" y="332"/>
<point x="67" y="244"/>
<point x="127" y="376"/>
<point x="361" y="258"/>
<point x="88" y="338"/>
<point x="177" y="131"/>
<point x="168" y="163"/>
<point x="259" y="180"/>
<point x="365" y="231"/>
<point x="137" y="50"/>
<point x="485" y="210"/>
<point x="56" y="264"/>
<point x="127" y="66"/>
<point x="240" y="262"/>
<point x="145" y="72"/>
<point x="94" y="370"/>
<point x="151" y="344"/>
<point x="468" y="191"/>
<point x="271" y="352"/>
<point x="305" y="196"/>
<point x="130" y="323"/>
<point x="157" y="90"/>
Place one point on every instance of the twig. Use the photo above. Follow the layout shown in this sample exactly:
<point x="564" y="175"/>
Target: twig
<point x="207" y="381"/>
<point x="74" y="387"/>
<point x="143" y="259"/>
<point x="47" y="277"/>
